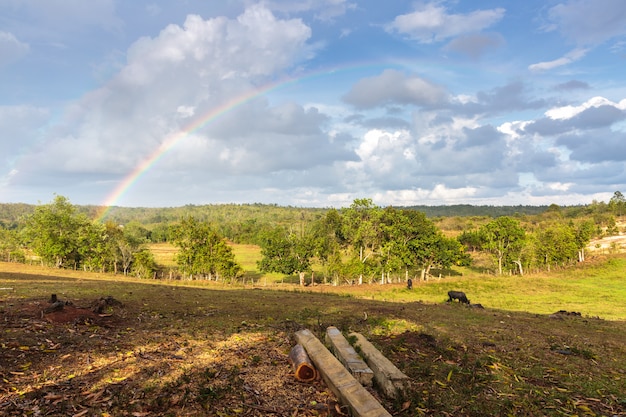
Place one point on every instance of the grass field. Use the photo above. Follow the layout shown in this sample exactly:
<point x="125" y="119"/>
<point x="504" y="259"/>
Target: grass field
<point x="192" y="348"/>
<point x="596" y="292"/>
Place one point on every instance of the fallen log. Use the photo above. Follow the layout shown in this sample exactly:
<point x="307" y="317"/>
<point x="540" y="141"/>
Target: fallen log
<point x="347" y="389"/>
<point x="348" y="356"/>
<point x="392" y="382"/>
<point x="303" y="367"/>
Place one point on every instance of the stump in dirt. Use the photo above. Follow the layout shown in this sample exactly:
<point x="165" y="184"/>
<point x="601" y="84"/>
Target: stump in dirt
<point x="99" y="306"/>
<point x="303" y="367"/>
<point x="53" y="299"/>
<point x="56" y="306"/>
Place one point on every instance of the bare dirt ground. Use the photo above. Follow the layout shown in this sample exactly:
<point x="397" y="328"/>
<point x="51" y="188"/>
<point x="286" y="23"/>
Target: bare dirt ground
<point x="610" y="244"/>
<point x="182" y="351"/>
<point x="50" y="367"/>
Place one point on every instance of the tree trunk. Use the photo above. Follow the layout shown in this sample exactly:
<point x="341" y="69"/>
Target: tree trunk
<point x="302" y="278"/>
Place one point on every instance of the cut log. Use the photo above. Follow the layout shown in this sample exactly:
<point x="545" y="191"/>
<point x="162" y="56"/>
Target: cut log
<point x="339" y="380"/>
<point x="389" y="378"/>
<point x="348" y="356"/>
<point x="303" y="367"/>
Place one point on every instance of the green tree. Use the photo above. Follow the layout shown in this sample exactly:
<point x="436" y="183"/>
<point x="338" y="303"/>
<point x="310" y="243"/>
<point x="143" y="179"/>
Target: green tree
<point x="617" y="204"/>
<point x="144" y="264"/>
<point x="327" y="238"/>
<point x="361" y="227"/>
<point x="10" y="247"/>
<point x="584" y="231"/>
<point x="53" y="232"/>
<point x="556" y="244"/>
<point x="92" y="247"/>
<point x="203" y="251"/>
<point x="286" y="252"/>
<point x="504" y="238"/>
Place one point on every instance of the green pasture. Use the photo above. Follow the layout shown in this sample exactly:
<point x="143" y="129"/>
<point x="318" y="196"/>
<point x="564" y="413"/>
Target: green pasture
<point x="594" y="289"/>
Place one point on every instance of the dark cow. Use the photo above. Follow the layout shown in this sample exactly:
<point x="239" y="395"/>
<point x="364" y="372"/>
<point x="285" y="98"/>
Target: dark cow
<point x="457" y="295"/>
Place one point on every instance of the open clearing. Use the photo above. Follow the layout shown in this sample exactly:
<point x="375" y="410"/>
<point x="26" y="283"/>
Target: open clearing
<point x="196" y="348"/>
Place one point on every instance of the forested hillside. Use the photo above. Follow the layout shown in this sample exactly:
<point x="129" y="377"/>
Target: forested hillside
<point x="262" y="213"/>
<point x="362" y="243"/>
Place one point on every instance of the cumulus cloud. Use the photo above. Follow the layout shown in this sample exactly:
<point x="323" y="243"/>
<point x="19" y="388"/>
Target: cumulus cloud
<point x="589" y="22"/>
<point x="11" y="49"/>
<point x="431" y="22"/>
<point x="567" y="112"/>
<point x="394" y="87"/>
<point x="595" y="147"/>
<point x="185" y="78"/>
<point x="509" y="97"/>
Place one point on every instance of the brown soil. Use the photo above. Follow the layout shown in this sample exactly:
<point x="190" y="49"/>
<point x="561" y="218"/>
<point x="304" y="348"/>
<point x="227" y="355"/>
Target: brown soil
<point x="54" y="354"/>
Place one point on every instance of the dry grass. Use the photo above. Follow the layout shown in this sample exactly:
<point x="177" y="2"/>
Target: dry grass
<point x="195" y="349"/>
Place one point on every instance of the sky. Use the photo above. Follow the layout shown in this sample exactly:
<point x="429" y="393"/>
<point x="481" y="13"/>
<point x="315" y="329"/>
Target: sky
<point x="312" y="103"/>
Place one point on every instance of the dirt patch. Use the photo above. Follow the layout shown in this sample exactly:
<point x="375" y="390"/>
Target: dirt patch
<point x="77" y="362"/>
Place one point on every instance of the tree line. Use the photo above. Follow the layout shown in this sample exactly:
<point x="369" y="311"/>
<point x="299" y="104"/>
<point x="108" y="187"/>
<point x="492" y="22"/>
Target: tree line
<point x="360" y="243"/>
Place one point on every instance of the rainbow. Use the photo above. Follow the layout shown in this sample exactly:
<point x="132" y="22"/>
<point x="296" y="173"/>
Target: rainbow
<point x="214" y="114"/>
<point x="198" y="123"/>
<point x="172" y="140"/>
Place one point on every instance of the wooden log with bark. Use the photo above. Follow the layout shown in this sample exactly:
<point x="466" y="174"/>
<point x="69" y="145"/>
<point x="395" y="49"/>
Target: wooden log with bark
<point x="303" y="367"/>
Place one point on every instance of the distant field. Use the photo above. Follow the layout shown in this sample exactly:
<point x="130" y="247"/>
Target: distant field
<point x="591" y="290"/>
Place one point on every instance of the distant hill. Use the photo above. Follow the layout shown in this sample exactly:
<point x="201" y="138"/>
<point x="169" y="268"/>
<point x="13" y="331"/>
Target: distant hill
<point x="10" y="213"/>
<point x="466" y="210"/>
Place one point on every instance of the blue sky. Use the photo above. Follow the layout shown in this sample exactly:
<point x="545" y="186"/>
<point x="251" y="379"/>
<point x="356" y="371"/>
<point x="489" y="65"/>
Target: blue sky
<point x="312" y="103"/>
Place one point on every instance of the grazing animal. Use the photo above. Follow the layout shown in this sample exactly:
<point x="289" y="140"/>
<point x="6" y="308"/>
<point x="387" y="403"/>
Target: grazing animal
<point x="457" y="295"/>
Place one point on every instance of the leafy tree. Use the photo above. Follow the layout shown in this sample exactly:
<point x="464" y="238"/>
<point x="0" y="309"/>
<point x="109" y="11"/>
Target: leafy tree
<point x="128" y="244"/>
<point x="327" y="239"/>
<point x="92" y="247"/>
<point x="617" y="204"/>
<point x="504" y="238"/>
<point x="286" y="253"/>
<point x="53" y="232"/>
<point x="472" y="240"/>
<point x="556" y="244"/>
<point x="203" y="251"/>
<point x="10" y="247"/>
<point x="144" y="265"/>
<point x="361" y="227"/>
<point x="584" y="232"/>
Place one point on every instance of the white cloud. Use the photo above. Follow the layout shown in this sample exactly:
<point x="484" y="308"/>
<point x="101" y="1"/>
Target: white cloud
<point x="567" y="112"/>
<point x="439" y="194"/>
<point x="589" y="22"/>
<point x="183" y="76"/>
<point x="431" y="22"/>
<point x="11" y="49"/>
<point x="394" y="87"/>
<point x="567" y="59"/>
